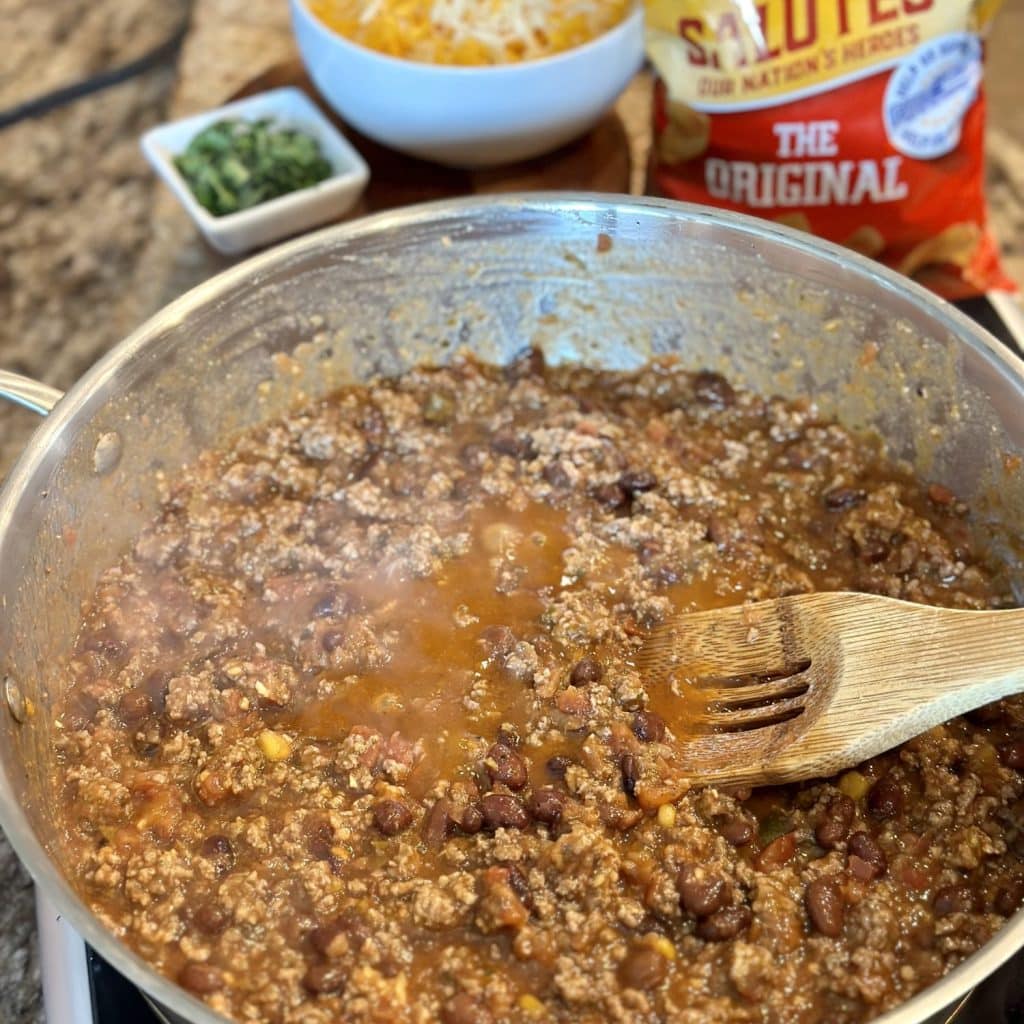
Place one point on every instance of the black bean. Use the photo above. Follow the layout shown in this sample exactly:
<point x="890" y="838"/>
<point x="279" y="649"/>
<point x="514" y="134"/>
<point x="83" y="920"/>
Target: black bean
<point x="869" y="853"/>
<point x="629" y="766"/>
<point x="463" y="488"/>
<point x="844" y="497"/>
<point x="871" y="551"/>
<point x="146" y="744"/>
<point x="611" y="496"/>
<point x="546" y="804"/>
<point x="200" y="978"/>
<point x="713" y="389"/>
<point x="350" y="923"/>
<point x="643" y="969"/>
<point x="886" y="798"/>
<point x="621" y="818"/>
<point x="953" y="899"/>
<point x="498" y="640"/>
<point x="391" y="817"/>
<point x="210" y="918"/>
<point x="1008" y="897"/>
<point x="722" y="531"/>
<point x="437" y="825"/>
<point x="648" y="727"/>
<point x="331" y="605"/>
<point x="824" y="901"/>
<point x="701" y="892"/>
<point x="586" y="670"/>
<point x="509" y="737"/>
<point x="218" y="849"/>
<point x="320" y="840"/>
<point x="155" y="685"/>
<point x="465" y="1009"/>
<point x="472" y="820"/>
<point x="512" y="445"/>
<point x="501" y="810"/>
<point x="921" y="932"/>
<point x="834" y="825"/>
<point x="332" y="639"/>
<point x="987" y="714"/>
<point x="558" y="765"/>
<point x="637" y="481"/>
<point x="737" y="830"/>
<point x="134" y="707"/>
<point x="556" y="475"/>
<point x="325" y="979"/>
<point x="504" y="765"/>
<point x="1012" y="755"/>
<point x="725" y="924"/>
<point x="365" y="465"/>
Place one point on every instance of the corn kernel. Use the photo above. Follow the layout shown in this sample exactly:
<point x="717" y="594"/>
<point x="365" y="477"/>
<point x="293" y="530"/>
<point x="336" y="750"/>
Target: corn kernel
<point x="531" y="1004"/>
<point x="661" y="945"/>
<point x="854" y="785"/>
<point x="666" y="815"/>
<point x="275" y="747"/>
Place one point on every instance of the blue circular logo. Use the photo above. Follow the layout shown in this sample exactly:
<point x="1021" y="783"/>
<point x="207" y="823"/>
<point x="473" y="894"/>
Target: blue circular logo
<point x="929" y="93"/>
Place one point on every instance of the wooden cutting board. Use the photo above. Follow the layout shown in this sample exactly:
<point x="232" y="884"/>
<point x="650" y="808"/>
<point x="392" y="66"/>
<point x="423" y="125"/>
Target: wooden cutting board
<point x="598" y="162"/>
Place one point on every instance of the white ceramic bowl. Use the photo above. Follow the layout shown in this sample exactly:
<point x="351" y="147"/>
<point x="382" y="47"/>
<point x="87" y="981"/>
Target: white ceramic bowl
<point x="276" y="218"/>
<point x="470" y="116"/>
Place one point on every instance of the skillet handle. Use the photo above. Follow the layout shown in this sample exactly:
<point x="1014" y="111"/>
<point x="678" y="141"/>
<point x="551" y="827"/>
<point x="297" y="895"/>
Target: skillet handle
<point x="31" y="394"/>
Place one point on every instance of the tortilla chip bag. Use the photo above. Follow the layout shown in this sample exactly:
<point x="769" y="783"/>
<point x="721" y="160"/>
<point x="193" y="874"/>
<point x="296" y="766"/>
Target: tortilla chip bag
<point x="861" y="121"/>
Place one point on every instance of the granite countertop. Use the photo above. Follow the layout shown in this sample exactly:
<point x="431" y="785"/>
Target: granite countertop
<point x="90" y="244"/>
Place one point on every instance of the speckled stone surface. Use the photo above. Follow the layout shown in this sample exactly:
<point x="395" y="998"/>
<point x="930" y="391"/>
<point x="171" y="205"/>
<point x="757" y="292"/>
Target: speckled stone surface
<point x="90" y="244"/>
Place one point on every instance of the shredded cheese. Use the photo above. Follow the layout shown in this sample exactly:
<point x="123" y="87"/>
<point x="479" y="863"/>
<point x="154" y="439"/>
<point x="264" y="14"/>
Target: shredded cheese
<point x="470" y="31"/>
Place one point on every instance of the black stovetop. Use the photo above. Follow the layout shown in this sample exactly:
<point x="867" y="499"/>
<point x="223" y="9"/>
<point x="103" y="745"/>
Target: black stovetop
<point x="999" y="1000"/>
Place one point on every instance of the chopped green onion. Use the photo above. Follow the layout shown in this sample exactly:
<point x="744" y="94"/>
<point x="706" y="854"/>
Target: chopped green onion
<point x="233" y="165"/>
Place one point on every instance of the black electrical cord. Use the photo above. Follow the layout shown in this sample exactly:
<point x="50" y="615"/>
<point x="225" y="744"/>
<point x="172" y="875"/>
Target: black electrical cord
<point x="39" y="105"/>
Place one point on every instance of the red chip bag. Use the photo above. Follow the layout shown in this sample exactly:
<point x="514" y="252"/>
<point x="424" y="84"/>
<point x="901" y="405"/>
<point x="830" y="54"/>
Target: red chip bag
<point x="862" y="121"/>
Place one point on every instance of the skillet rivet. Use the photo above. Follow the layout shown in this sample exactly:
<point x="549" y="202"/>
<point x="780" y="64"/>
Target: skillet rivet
<point x="15" y="699"/>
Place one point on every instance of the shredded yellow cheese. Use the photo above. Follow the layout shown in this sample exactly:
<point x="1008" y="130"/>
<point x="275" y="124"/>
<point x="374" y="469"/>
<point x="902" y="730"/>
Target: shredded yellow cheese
<point x="470" y="31"/>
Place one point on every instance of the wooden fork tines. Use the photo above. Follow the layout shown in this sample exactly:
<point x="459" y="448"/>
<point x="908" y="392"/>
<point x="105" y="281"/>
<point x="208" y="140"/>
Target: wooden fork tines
<point x="805" y="686"/>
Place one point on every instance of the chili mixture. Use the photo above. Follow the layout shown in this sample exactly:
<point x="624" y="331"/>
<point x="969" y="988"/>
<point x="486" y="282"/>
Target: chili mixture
<point x="354" y="733"/>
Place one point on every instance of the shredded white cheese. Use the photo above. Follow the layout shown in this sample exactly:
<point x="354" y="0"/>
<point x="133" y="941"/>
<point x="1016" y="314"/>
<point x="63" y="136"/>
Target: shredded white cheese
<point x="370" y="11"/>
<point x="470" y="31"/>
<point x="499" y="24"/>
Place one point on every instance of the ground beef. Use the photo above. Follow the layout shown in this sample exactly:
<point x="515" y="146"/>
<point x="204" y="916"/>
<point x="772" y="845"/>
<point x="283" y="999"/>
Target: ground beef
<point x="355" y="732"/>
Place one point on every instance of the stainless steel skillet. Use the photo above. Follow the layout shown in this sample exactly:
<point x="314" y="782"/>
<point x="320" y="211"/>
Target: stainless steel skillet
<point x="770" y="307"/>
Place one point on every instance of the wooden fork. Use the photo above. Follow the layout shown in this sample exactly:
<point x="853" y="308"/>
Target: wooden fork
<point x="802" y="687"/>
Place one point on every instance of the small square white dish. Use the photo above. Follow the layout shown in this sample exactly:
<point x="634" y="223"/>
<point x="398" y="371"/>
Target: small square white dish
<point x="277" y="218"/>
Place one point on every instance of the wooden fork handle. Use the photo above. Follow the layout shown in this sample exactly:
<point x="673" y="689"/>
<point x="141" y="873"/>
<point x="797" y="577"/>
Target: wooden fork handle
<point x="902" y="674"/>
